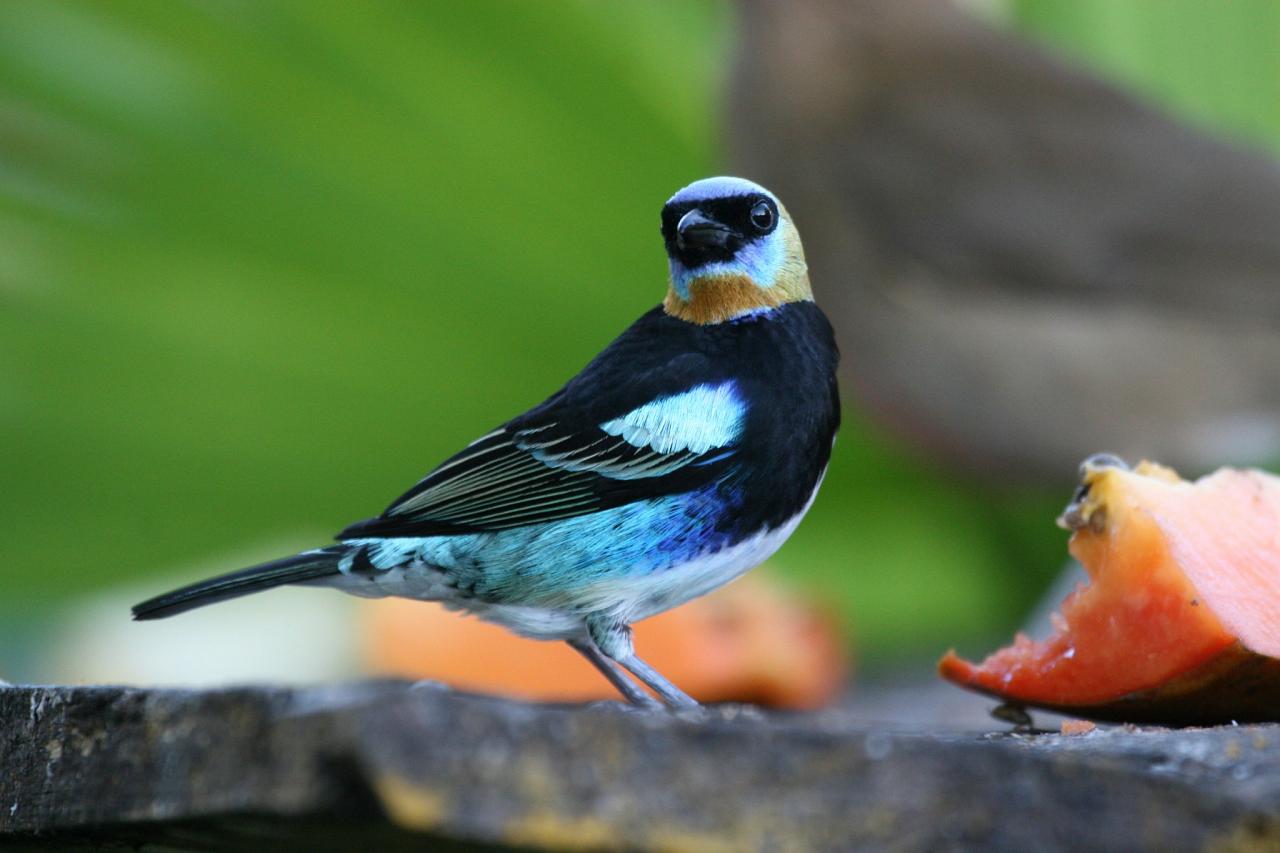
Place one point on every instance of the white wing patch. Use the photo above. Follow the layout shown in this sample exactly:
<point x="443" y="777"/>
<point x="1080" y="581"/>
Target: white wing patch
<point x="613" y="457"/>
<point x="512" y="477"/>
<point x="694" y="421"/>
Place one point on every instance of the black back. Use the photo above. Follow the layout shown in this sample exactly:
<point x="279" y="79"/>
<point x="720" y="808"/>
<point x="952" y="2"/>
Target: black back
<point x="782" y="363"/>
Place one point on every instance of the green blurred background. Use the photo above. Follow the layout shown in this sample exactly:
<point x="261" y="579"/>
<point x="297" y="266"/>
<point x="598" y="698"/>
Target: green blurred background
<point x="263" y="263"/>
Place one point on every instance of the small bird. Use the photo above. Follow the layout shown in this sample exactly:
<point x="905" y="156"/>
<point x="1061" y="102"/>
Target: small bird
<point x="681" y="456"/>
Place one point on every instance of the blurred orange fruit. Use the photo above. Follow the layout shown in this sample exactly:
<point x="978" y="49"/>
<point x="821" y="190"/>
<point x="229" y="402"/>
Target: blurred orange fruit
<point x="746" y="642"/>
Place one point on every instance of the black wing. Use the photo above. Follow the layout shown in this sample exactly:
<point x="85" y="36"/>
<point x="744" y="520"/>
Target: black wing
<point x="576" y="453"/>
<point x="518" y="475"/>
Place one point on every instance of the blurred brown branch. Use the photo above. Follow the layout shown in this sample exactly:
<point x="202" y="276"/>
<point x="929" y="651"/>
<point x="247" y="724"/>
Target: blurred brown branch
<point x="1024" y="264"/>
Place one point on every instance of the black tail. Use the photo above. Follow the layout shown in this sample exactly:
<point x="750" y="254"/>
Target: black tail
<point x="296" y="569"/>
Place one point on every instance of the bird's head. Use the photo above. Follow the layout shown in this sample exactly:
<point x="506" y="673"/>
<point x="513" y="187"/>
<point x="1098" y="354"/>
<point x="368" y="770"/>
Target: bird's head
<point x="733" y="252"/>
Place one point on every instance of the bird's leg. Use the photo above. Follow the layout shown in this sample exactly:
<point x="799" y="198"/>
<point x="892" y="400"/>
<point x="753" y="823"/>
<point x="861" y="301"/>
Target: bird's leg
<point x="614" y="640"/>
<point x="610" y="670"/>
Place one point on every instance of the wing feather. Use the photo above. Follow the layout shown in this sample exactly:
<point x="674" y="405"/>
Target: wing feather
<point x="550" y="468"/>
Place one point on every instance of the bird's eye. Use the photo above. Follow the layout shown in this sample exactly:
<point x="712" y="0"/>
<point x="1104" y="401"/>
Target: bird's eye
<point x="762" y="216"/>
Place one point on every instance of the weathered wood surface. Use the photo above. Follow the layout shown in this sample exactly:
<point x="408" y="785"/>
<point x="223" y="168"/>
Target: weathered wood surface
<point x="388" y="765"/>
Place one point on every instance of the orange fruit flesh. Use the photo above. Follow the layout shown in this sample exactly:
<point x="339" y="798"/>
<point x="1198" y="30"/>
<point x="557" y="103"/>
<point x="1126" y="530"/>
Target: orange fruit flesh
<point x="747" y="642"/>
<point x="1184" y="590"/>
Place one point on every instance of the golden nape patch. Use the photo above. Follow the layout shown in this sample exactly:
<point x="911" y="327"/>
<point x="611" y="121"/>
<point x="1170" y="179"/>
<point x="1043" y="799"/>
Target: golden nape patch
<point x="716" y="298"/>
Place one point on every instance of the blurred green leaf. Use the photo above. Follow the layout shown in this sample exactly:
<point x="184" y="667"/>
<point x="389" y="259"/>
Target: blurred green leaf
<point x="262" y="264"/>
<point x="1216" y="63"/>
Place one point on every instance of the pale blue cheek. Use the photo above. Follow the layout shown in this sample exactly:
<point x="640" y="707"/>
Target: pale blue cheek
<point x="759" y="261"/>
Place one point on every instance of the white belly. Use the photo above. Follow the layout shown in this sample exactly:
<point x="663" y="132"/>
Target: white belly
<point x="632" y="599"/>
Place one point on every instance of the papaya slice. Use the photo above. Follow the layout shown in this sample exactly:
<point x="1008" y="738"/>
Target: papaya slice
<point x="1180" y="621"/>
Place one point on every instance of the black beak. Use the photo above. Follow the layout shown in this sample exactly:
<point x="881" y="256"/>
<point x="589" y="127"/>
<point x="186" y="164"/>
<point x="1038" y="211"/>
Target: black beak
<point x="696" y="230"/>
